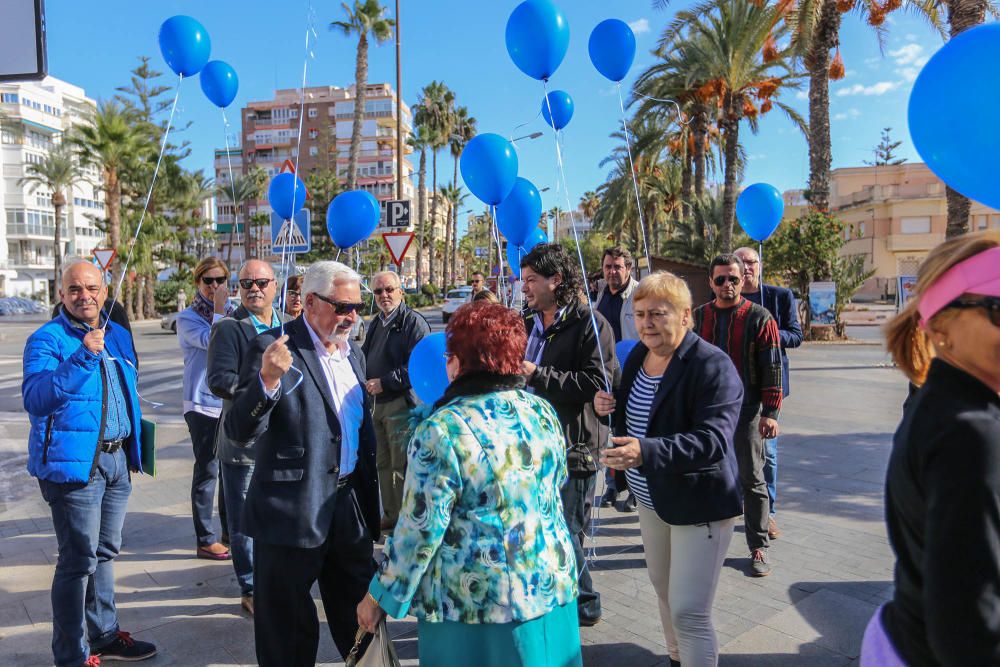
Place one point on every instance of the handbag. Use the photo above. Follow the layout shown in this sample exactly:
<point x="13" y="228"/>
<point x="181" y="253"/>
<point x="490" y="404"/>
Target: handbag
<point x="147" y="446"/>
<point x="380" y="653"/>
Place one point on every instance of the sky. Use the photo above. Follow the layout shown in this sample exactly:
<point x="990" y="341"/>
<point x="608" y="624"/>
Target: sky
<point x="95" y="44"/>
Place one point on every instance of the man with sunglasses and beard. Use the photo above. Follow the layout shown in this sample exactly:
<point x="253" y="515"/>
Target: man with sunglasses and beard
<point x="392" y="334"/>
<point x="312" y="508"/>
<point x="750" y="336"/>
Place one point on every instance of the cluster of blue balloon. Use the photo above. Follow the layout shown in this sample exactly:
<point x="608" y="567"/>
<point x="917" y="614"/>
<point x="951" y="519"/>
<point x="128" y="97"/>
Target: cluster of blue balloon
<point x="186" y="47"/>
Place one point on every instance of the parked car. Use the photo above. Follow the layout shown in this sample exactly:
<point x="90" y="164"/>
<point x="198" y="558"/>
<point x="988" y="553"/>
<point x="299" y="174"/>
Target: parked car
<point x="169" y="321"/>
<point x="455" y="299"/>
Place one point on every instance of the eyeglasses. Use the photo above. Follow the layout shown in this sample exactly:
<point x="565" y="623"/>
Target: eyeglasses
<point x="292" y="294"/>
<point x="340" y="307"/>
<point x="261" y="283"/>
<point x="207" y="280"/>
<point x="990" y="303"/>
<point x="721" y="280"/>
<point x="379" y="290"/>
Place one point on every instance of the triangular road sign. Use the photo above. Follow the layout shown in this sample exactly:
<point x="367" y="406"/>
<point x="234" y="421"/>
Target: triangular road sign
<point x="397" y="243"/>
<point x="287" y="167"/>
<point x="105" y="256"/>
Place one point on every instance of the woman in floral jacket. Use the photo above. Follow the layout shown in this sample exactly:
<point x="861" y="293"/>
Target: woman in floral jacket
<point x="481" y="554"/>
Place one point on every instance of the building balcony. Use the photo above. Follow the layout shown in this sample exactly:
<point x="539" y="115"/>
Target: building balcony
<point x="891" y="191"/>
<point x="32" y="262"/>
<point x="913" y="242"/>
<point x="24" y="231"/>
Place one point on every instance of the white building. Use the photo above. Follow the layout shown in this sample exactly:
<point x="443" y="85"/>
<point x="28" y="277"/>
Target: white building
<point x="35" y="115"/>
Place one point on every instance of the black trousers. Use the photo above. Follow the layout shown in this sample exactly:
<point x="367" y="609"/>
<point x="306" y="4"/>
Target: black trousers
<point x="204" y="477"/>
<point x="286" y="626"/>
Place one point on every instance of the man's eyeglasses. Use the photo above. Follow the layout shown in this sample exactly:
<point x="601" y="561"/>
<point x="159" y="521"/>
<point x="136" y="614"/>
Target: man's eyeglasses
<point x="721" y="280"/>
<point x="990" y="303"/>
<point x="261" y="283"/>
<point x="379" y="290"/>
<point x="340" y="307"/>
<point x="208" y="280"/>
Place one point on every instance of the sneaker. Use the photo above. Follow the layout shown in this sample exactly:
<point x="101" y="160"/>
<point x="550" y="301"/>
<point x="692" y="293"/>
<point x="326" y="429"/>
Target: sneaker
<point x="609" y="498"/>
<point x="92" y="661"/>
<point x="246" y="602"/>
<point x="759" y="567"/>
<point x="213" y="552"/>
<point x="630" y="503"/>
<point x="126" y="649"/>
<point x="773" y="532"/>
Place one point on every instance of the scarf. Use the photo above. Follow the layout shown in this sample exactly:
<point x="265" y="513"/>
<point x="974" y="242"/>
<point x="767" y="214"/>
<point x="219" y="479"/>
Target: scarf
<point x="203" y="307"/>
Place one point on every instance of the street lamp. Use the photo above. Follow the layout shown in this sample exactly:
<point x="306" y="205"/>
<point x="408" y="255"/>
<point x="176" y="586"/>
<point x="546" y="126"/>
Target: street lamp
<point x="533" y="135"/>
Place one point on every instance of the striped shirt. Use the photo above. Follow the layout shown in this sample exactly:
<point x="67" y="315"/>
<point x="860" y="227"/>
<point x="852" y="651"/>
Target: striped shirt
<point x="640" y="400"/>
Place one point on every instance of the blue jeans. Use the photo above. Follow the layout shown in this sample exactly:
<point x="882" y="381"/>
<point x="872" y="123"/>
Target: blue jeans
<point x="577" y="498"/>
<point x="771" y="470"/>
<point x="87" y="519"/>
<point x="235" y="482"/>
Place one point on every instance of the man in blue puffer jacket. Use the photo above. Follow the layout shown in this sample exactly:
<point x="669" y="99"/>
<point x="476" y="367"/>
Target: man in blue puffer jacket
<point x="79" y="391"/>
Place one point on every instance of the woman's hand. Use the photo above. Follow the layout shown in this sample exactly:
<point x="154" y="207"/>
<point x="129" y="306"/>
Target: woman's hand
<point x="604" y="403"/>
<point x="369" y="614"/>
<point x="625" y="454"/>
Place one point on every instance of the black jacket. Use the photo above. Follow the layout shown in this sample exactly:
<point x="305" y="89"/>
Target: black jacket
<point x="391" y="360"/>
<point x="297" y="436"/>
<point x="570" y="374"/>
<point x="942" y="506"/>
<point x="688" y="458"/>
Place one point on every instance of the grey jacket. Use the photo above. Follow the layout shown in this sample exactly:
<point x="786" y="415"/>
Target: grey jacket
<point x="629" y="331"/>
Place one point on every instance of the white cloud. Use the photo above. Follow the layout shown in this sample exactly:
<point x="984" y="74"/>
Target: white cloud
<point x="639" y="26"/>
<point x="880" y="88"/>
<point x="802" y="95"/>
<point x="909" y="74"/>
<point x="850" y="113"/>
<point x="909" y="54"/>
<point x="910" y="37"/>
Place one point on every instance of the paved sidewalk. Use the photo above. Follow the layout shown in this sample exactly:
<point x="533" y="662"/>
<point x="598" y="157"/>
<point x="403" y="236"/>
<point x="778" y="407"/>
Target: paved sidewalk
<point x="832" y="566"/>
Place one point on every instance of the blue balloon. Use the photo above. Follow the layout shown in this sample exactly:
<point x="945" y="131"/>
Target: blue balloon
<point x="537" y="37"/>
<point x="562" y="109"/>
<point x="281" y="191"/>
<point x="623" y="348"/>
<point x="515" y="254"/>
<point x="537" y="236"/>
<point x="489" y="167"/>
<point x="960" y="142"/>
<point x="185" y="45"/>
<point x="352" y="216"/>
<point x="219" y="83"/>
<point x="759" y="210"/>
<point x="519" y="213"/>
<point x="612" y="48"/>
<point x="428" y="375"/>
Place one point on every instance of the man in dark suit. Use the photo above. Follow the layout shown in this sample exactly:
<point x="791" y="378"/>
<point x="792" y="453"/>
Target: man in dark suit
<point x="780" y="302"/>
<point x="313" y="506"/>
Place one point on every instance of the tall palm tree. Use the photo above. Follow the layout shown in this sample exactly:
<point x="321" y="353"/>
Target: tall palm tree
<point x="463" y="129"/>
<point x="365" y="17"/>
<point x="435" y="109"/>
<point x="242" y="190"/>
<point x="421" y="141"/>
<point x="57" y="173"/>
<point x="589" y="203"/>
<point x="112" y="141"/>
<point x="454" y="197"/>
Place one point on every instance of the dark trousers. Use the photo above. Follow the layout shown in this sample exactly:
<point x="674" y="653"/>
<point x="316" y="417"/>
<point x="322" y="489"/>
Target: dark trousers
<point x="204" y="477"/>
<point x="286" y="627"/>
<point x="577" y="498"/>
<point x="749" y="448"/>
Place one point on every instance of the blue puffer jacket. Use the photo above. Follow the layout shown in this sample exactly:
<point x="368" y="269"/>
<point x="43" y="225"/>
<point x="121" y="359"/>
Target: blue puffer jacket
<point x="64" y="391"/>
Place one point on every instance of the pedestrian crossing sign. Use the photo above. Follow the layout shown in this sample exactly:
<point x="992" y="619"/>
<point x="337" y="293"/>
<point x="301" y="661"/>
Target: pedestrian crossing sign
<point x="290" y="235"/>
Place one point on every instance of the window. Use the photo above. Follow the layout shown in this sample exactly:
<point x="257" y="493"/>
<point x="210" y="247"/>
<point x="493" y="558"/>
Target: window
<point x="8" y="98"/>
<point x="921" y="225"/>
<point x="981" y="221"/>
<point x="861" y="230"/>
<point x="313" y="112"/>
<point x="294" y="113"/>
<point x="313" y="134"/>
<point x="313" y="151"/>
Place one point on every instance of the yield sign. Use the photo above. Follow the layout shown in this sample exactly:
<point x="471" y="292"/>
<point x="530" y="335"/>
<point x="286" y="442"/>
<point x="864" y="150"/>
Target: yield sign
<point x="105" y="256"/>
<point x="287" y="167"/>
<point x="397" y="243"/>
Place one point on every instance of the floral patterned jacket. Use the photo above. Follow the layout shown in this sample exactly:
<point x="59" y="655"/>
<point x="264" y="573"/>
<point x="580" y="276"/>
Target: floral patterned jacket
<point x="481" y="536"/>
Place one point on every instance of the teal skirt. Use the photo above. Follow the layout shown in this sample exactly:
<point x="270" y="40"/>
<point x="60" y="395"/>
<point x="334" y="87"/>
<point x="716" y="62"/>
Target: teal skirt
<point x="552" y="640"/>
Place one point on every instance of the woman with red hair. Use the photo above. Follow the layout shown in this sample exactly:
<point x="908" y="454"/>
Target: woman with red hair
<point x="481" y="554"/>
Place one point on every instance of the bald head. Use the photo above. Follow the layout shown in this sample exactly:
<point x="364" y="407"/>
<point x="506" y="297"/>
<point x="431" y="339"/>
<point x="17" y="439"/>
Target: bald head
<point x="751" y="268"/>
<point x="83" y="292"/>
<point x="258" y="298"/>
<point x="256" y="268"/>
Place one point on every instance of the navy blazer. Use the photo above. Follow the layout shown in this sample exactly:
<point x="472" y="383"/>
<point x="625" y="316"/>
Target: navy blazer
<point x="297" y="437"/>
<point x="780" y="302"/>
<point x="687" y="454"/>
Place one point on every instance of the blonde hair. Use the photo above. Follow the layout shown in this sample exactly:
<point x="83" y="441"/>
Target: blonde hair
<point x="668" y="287"/>
<point x="906" y="341"/>
<point x="206" y="265"/>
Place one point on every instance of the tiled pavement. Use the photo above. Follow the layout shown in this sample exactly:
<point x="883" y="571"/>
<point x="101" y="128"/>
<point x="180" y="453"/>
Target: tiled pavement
<point x="832" y="566"/>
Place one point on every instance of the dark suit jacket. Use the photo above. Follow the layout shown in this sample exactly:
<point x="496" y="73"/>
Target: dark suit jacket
<point x="780" y="302"/>
<point x="687" y="455"/>
<point x="297" y="438"/>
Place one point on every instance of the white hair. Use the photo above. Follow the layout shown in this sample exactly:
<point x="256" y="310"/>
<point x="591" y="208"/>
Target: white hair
<point x="320" y="277"/>
<point x="386" y="274"/>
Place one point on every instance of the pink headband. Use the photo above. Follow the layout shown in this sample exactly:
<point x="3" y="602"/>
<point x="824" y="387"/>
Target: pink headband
<point x="980" y="274"/>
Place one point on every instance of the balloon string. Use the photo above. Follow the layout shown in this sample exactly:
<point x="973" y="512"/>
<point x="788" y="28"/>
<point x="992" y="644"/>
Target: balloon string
<point x="149" y="196"/>
<point x="760" y="270"/>
<point x="680" y="116"/>
<point x="500" y="272"/>
<point x="232" y="183"/>
<point x="635" y="179"/>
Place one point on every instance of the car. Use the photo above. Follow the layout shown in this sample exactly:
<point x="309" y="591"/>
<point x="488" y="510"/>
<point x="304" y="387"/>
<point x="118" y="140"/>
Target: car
<point x="455" y="299"/>
<point x="169" y="321"/>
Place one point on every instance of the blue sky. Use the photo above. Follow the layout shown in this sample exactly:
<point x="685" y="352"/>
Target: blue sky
<point x="95" y="44"/>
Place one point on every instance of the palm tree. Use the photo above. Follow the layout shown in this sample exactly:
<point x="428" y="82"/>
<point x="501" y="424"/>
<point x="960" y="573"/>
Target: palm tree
<point x="421" y="141"/>
<point x="435" y="110"/>
<point x="453" y="195"/>
<point x="463" y="129"/>
<point x="113" y="142"/>
<point x="366" y="17"/>
<point x="57" y="173"/>
<point x="238" y="193"/>
<point x="589" y="204"/>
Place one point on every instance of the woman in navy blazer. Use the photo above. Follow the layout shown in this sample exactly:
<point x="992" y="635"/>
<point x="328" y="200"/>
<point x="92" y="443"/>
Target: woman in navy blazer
<point x="674" y="418"/>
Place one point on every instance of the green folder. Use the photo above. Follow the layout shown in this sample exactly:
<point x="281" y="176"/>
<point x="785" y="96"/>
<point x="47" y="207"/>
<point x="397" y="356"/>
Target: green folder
<point x="147" y="436"/>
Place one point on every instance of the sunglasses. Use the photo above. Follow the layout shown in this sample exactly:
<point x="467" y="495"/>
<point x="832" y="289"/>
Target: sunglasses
<point x="990" y="303"/>
<point x="208" y="281"/>
<point x="292" y="294"/>
<point x="379" y="290"/>
<point x="721" y="280"/>
<point x="340" y="307"/>
<point x="261" y="283"/>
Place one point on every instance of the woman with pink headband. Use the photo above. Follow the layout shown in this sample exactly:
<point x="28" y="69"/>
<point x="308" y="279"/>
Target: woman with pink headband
<point x="943" y="483"/>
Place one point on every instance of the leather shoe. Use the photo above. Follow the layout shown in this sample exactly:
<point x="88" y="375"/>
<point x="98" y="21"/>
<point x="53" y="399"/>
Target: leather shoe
<point x="246" y="601"/>
<point x="773" y="532"/>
